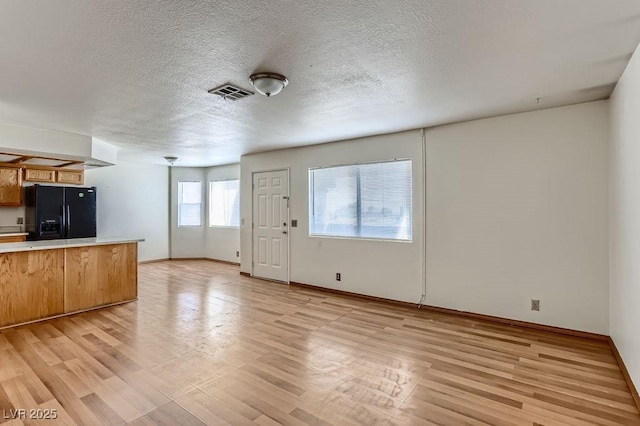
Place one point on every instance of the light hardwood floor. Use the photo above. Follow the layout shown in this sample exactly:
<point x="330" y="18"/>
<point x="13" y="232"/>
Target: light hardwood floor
<point x="205" y="345"/>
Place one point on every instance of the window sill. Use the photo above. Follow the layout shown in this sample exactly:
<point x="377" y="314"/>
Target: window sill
<point x="336" y="237"/>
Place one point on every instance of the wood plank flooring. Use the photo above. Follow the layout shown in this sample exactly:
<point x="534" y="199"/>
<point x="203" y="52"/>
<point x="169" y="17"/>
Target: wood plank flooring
<point x="204" y="345"/>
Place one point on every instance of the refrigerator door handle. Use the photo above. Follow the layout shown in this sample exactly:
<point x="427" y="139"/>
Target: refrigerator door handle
<point x="68" y="224"/>
<point x="63" y="221"/>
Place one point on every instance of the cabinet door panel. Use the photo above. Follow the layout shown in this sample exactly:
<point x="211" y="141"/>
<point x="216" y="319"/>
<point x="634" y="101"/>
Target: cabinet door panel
<point x="38" y="175"/>
<point x="122" y="273"/>
<point x="75" y="177"/>
<point x="31" y="285"/>
<point x="10" y="186"/>
<point x="100" y="275"/>
<point x="82" y="283"/>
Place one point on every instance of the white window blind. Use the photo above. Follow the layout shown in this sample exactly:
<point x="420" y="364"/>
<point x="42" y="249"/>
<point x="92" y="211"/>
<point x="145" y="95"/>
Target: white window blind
<point x="362" y="201"/>
<point x="189" y="203"/>
<point x="224" y="203"/>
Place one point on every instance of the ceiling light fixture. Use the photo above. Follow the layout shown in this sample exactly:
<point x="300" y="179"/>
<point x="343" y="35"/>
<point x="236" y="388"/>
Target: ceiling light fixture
<point x="268" y="83"/>
<point x="171" y="160"/>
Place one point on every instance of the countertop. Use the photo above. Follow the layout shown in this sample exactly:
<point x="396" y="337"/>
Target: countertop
<point x="12" y="231"/>
<point x="62" y="244"/>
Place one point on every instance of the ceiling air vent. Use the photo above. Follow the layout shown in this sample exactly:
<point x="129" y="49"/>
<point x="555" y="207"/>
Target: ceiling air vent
<point x="230" y="92"/>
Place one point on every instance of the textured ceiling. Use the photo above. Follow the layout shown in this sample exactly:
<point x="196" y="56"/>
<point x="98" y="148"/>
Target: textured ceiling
<point x="136" y="73"/>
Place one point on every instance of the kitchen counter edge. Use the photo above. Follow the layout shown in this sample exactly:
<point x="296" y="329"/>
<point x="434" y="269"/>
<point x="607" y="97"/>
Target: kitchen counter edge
<point x="63" y="244"/>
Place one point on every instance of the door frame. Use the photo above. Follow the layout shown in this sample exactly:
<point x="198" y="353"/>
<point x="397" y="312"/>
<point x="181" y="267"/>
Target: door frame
<point x="284" y="169"/>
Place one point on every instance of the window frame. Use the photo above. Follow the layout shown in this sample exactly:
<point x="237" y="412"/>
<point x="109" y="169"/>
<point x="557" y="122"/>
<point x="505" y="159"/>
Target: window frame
<point x="358" y="201"/>
<point x="180" y="203"/>
<point x="209" y="205"/>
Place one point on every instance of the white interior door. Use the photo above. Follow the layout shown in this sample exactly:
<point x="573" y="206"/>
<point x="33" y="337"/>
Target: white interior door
<point x="270" y="225"/>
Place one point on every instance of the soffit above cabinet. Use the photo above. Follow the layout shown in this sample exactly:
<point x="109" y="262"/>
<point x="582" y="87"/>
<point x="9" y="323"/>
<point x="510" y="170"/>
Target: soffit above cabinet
<point x="26" y="161"/>
<point x="49" y="148"/>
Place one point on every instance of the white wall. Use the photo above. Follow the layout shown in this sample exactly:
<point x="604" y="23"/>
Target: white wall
<point x="8" y="216"/>
<point x="517" y="210"/>
<point x="187" y="241"/>
<point x="222" y="243"/>
<point x="624" y="218"/>
<point x="133" y="201"/>
<point x="378" y="268"/>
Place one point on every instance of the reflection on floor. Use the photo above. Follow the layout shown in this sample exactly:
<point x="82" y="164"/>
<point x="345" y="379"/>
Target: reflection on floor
<point x="205" y="345"/>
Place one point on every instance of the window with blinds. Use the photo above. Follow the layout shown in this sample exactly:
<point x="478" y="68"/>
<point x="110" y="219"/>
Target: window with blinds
<point x="224" y="203"/>
<point x="189" y="203"/>
<point x="362" y="201"/>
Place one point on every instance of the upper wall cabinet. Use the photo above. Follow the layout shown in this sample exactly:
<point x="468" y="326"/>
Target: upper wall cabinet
<point x="10" y="186"/>
<point x="39" y="175"/>
<point x="75" y="177"/>
<point x="51" y="175"/>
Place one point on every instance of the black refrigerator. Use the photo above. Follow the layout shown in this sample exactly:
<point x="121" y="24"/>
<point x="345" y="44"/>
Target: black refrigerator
<point x="54" y="212"/>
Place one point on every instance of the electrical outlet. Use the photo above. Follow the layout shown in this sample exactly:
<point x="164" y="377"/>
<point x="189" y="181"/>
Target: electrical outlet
<point x="20" y="221"/>
<point x="535" y="305"/>
<point x="338" y="276"/>
<point x="237" y="254"/>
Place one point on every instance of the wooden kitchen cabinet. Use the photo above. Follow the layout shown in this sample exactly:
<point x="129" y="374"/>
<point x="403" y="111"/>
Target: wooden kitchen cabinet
<point x="48" y="281"/>
<point x="122" y="277"/>
<point x="39" y="175"/>
<point x="100" y="275"/>
<point x="31" y="286"/>
<point x="10" y="186"/>
<point x="75" y="177"/>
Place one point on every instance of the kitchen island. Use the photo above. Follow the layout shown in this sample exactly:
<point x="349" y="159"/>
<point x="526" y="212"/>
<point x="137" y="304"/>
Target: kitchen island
<point x="45" y="279"/>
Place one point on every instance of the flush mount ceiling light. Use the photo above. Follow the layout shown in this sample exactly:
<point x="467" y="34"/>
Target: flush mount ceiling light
<point x="268" y="83"/>
<point x="171" y="160"/>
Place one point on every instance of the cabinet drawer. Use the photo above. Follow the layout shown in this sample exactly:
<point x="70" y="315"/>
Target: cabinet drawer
<point x="37" y="175"/>
<point x="71" y="176"/>
<point x="13" y="239"/>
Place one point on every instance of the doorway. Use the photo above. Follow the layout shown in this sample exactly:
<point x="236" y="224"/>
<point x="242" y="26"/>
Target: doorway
<point x="270" y="224"/>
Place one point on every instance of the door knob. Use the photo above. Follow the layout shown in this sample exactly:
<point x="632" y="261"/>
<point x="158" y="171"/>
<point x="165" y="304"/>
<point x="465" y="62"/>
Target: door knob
<point x="284" y="232"/>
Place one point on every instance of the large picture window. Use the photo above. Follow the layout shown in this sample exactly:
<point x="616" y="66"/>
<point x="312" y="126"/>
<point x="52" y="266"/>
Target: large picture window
<point x="224" y="203"/>
<point x="189" y="203"/>
<point x="362" y="201"/>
